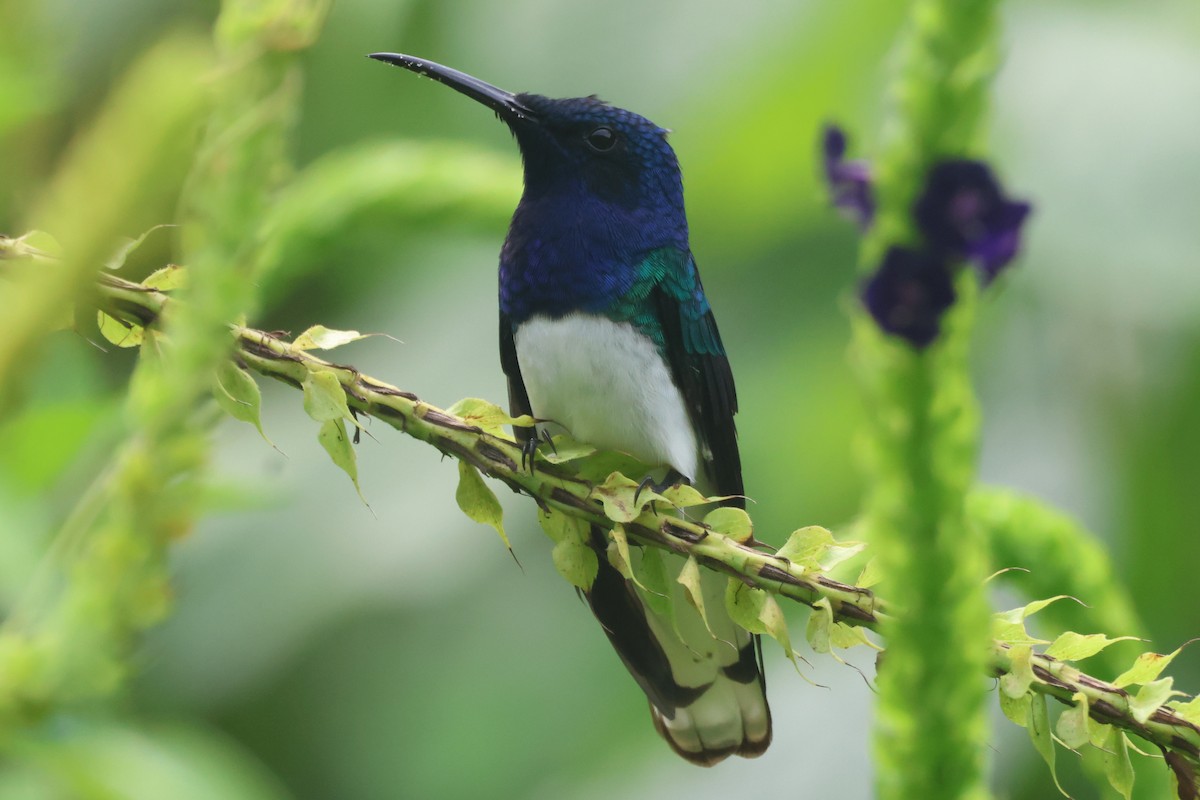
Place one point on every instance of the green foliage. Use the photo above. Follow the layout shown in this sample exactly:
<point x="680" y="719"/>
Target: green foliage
<point x="932" y="727"/>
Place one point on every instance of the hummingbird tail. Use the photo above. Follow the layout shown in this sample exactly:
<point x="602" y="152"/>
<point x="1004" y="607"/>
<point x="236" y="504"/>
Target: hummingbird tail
<point x="704" y="682"/>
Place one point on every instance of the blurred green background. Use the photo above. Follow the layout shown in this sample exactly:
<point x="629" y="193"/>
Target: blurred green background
<point x="319" y="649"/>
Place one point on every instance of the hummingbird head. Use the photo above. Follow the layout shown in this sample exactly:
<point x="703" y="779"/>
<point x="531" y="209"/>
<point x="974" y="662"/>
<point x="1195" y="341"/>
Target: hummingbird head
<point x="582" y="153"/>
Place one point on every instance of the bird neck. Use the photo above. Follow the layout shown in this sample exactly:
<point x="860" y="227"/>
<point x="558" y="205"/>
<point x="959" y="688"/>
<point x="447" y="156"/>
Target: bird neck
<point x="570" y="251"/>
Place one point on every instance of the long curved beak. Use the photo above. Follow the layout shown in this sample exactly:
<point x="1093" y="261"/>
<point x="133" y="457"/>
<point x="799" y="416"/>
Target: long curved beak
<point x="503" y="103"/>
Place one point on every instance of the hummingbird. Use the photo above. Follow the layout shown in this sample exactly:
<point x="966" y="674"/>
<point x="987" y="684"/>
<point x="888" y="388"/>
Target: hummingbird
<point x="606" y="334"/>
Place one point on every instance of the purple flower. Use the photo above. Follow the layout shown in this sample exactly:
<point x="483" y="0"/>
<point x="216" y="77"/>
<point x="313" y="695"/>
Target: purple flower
<point x="908" y="294"/>
<point x="962" y="212"/>
<point x="849" y="181"/>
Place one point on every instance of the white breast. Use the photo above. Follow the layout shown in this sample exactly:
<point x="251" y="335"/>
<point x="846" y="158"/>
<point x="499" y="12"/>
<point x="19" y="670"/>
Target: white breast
<point x="607" y="384"/>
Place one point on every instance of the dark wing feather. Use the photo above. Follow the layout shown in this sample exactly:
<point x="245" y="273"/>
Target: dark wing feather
<point x="518" y="398"/>
<point x="692" y="345"/>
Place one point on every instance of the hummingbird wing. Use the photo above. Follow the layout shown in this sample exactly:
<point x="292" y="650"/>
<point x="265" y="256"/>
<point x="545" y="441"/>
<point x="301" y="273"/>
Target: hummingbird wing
<point x="692" y="346"/>
<point x="518" y="397"/>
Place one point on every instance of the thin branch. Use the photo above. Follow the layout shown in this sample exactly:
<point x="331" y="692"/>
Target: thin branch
<point x="554" y="487"/>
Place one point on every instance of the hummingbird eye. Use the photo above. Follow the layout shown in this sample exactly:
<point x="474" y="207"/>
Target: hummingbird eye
<point x="601" y="139"/>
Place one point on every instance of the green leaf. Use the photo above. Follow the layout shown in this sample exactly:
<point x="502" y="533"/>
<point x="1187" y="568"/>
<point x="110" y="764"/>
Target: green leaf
<point x="756" y="611"/>
<point x="618" y="555"/>
<point x="34" y="244"/>
<point x="1072" y="727"/>
<point x="689" y="579"/>
<point x="1189" y="710"/>
<point x="617" y="496"/>
<point x="807" y="546"/>
<point x="775" y="625"/>
<point x="324" y="397"/>
<point x="1016" y="708"/>
<point x="318" y="337"/>
<point x="1145" y="669"/>
<point x="657" y="583"/>
<point x="1017" y="680"/>
<point x="1150" y="698"/>
<point x="600" y="466"/>
<point x="1039" y="733"/>
<point x="565" y="448"/>
<point x="488" y="417"/>
<point x="843" y="637"/>
<point x="745" y="604"/>
<point x="118" y="332"/>
<point x="820" y="621"/>
<point x="479" y="502"/>
<point x="559" y="526"/>
<point x="1118" y="768"/>
<point x="683" y="495"/>
<point x="117" y="259"/>
<point x="576" y="562"/>
<point x="237" y="393"/>
<point x="1073" y="646"/>
<point x="1009" y="626"/>
<point x="168" y="278"/>
<point x="870" y="574"/>
<point x="332" y="437"/>
<point x="731" y="522"/>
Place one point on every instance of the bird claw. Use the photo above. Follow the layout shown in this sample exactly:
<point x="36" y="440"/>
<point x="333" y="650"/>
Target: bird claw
<point x="530" y="447"/>
<point x="658" y="487"/>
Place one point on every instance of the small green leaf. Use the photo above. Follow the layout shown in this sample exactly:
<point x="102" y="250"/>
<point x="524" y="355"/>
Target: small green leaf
<point x="617" y="496"/>
<point x="1017" y="680"/>
<point x="820" y="621"/>
<point x="34" y="244"/>
<point x="1098" y="732"/>
<point x="843" y="637"/>
<point x="324" y="397"/>
<point x="870" y="574"/>
<point x="1118" y="768"/>
<point x="1189" y="710"/>
<point x="318" y="337"/>
<point x="839" y="552"/>
<point x="559" y="526"/>
<point x="479" y="502"/>
<point x="689" y="579"/>
<point x="618" y="554"/>
<point x="1016" y="708"/>
<point x="603" y="463"/>
<point x="684" y="495"/>
<point x="488" y="417"/>
<point x="333" y="438"/>
<point x="775" y="625"/>
<point x="656" y="582"/>
<point x="1150" y="698"/>
<point x="168" y="278"/>
<point x="118" y="258"/>
<point x="1039" y="733"/>
<point x="807" y="546"/>
<point x="565" y="448"/>
<point x="1145" y="669"/>
<point x="730" y="521"/>
<point x="118" y="332"/>
<point x="576" y="562"/>
<point x="745" y="604"/>
<point x="1009" y="626"/>
<point x="1073" y="646"/>
<point x="237" y="393"/>
<point x="758" y="612"/>
<point x="1072" y="727"/>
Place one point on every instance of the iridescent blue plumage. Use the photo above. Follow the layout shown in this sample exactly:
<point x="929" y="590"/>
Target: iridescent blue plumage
<point x="605" y="331"/>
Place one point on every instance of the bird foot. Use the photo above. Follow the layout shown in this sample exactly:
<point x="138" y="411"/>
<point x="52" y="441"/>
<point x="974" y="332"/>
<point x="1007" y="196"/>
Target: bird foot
<point x="530" y="447"/>
<point x="658" y="487"/>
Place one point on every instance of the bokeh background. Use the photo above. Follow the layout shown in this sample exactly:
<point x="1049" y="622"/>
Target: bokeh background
<point x="320" y="649"/>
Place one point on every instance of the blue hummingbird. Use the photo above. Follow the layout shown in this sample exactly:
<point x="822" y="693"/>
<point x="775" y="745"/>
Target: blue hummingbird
<point x="606" y="333"/>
